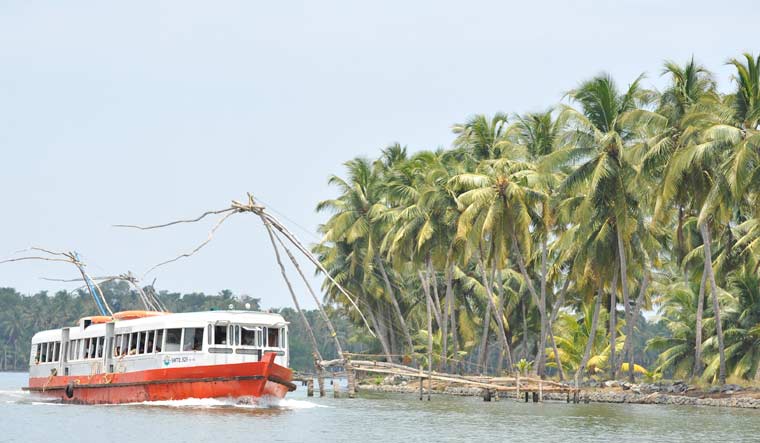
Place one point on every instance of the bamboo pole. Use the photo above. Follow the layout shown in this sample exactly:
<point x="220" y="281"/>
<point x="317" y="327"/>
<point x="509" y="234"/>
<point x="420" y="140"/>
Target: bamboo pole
<point x="312" y="338"/>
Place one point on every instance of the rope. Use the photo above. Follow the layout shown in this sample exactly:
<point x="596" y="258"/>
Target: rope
<point x="49" y="379"/>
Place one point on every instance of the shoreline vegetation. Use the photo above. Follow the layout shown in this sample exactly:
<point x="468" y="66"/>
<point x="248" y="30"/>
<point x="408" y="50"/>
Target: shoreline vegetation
<point x="745" y="399"/>
<point x="538" y="242"/>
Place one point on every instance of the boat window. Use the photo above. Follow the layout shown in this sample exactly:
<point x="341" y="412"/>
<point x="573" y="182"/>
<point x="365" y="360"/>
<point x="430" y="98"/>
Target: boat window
<point x="283" y="337"/>
<point x="193" y="339"/>
<point x="149" y="342"/>
<point x="91" y="349"/>
<point x="117" y="345"/>
<point x="101" y="342"/>
<point x="133" y="341"/>
<point x="251" y="336"/>
<point x="236" y="335"/>
<point x="159" y="340"/>
<point x="86" y="348"/>
<point x="220" y="335"/>
<point x="273" y="337"/>
<point x="173" y="340"/>
<point x="37" y="353"/>
<point x="57" y="352"/>
<point x="143" y="342"/>
<point x="43" y="352"/>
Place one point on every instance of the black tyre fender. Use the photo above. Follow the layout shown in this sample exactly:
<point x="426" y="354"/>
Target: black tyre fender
<point x="70" y="390"/>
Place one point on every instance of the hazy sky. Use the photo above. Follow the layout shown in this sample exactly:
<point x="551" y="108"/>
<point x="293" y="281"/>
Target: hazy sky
<point x="147" y="111"/>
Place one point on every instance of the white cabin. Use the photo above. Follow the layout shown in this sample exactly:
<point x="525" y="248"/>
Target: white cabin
<point x="163" y="341"/>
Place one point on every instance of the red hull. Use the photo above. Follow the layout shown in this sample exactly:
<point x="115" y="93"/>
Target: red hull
<point x="258" y="379"/>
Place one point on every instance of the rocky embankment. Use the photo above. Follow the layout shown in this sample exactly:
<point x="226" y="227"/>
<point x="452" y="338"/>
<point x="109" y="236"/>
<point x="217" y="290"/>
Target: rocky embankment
<point x="662" y="393"/>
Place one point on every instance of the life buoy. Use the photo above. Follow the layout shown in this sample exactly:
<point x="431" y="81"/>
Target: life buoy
<point x="70" y="390"/>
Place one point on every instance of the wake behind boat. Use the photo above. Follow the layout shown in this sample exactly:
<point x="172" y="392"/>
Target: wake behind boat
<point x="137" y="356"/>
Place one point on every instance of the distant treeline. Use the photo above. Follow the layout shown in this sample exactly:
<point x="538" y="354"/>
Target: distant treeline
<point x="21" y="316"/>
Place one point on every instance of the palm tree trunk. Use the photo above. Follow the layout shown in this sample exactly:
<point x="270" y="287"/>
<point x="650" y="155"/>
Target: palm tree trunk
<point x="388" y="319"/>
<point x="613" y="322"/>
<point x="430" y="345"/>
<point x="525" y="341"/>
<point x="706" y="240"/>
<point x="541" y="354"/>
<point x="628" y="344"/>
<point x="394" y="302"/>
<point x="698" y="366"/>
<point x="679" y="236"/>
<point x="426" y="289"/>
<point x="501" y="335"/>
<point x="453" y="316"/>
<point x="532" y="290"/>
<point x="624" y="277"/>
<point x="555" y="311"/>
<point x="434" y="283"/>
<point x="500" y="313"/>
<point x="557" y="359"/>
<point x="445" y="330"/>
<point x="484" y="336"/>
<point x="380" y="334"/>
<point x="592" y="335"/>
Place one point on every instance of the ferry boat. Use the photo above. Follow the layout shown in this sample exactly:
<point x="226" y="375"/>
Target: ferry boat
<point x="138" y="356"/>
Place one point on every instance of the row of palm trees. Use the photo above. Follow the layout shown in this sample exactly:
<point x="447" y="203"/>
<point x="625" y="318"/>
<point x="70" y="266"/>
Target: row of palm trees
<point x="534" y="229"/>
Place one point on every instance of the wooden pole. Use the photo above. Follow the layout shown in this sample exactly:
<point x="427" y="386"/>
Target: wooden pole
<point x="310" y="388"/>
<point x="420" y="382"/>
<point x="321" y="382"/>
<point x="517" y="385"/>
<point x="540" y="391"/>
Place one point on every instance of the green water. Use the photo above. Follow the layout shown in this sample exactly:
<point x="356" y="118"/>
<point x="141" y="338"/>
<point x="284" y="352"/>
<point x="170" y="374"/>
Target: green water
<point x="372" y="417"/>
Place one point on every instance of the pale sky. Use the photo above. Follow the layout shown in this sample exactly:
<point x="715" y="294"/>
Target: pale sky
<point x="148" y="111"/>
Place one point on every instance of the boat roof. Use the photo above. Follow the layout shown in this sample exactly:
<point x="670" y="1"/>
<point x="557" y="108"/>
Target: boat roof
<point x="170" y="320"/>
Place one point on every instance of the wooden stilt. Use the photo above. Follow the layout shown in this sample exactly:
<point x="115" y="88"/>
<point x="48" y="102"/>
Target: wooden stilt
<point x="420" y="382"/>
<point x="351" y="380"/>
<point x="486" y="395"/>
<point x="541" y="391"/>
<point x="310" y="388"/>
<point x="321" y="382"/>
<point x="517" y="385"/>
